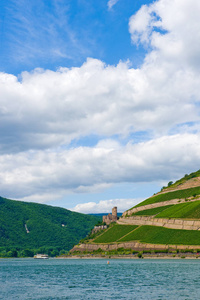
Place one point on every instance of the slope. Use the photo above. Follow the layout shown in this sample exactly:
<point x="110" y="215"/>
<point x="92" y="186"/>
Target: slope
<point x="168" y="219"/>
<point x="30" y="225"/>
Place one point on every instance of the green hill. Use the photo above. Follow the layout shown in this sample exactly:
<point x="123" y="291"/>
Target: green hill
<point x="160" y="235"/>
<point x="179" y="194"/>
<point x="114" y="233"/>
<point x="39" y="227"/>
<point x="169" y="219"/>
<point x="149" y="234"/>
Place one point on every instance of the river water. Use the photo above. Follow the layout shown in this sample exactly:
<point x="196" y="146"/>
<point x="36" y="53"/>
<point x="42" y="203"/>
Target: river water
<point x="95" y="279"/>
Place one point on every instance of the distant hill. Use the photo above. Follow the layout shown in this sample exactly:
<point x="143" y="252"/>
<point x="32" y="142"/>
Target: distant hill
<point x="26" y="225"/>
<point x="168" y="220"/>
<point x="103" y="214"/>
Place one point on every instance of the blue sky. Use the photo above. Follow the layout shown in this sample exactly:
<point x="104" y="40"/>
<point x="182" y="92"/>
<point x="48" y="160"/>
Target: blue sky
<point x="99" y="100"/>
<point x="50" y="34"/>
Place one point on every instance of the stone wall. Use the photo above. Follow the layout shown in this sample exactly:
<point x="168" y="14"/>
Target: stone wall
<point x="98" y="228"/>
<point x="131" y="245"/>
<point x="154" y="205"/>
<point x="168" y="223"/>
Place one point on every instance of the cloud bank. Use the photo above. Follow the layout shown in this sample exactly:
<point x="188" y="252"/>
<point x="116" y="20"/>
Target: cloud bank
<point x="106" y="206"/>
<point x="87" y="169"/>
<point x="43" y="112"/>
<point x="47" y="109"/>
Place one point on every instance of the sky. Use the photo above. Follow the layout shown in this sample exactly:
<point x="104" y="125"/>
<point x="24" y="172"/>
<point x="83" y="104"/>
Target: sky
<point x="99" y="100"/>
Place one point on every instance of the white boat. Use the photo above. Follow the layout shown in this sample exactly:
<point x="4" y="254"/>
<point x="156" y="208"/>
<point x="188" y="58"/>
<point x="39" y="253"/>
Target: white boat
<point x="41" y="256"/>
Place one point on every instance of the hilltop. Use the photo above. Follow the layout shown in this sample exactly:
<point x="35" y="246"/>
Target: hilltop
<point x="167" y="221"/>
<point x="32" y="227"/>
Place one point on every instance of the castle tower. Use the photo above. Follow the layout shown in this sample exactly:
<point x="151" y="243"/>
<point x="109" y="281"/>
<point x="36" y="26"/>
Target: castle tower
<point x="111" y="218"/>
<point x="114" y="214"/>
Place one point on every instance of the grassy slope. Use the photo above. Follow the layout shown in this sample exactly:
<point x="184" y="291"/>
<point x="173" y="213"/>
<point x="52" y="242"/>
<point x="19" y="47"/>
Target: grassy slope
<point x="160" y="235"/>
<point x="149" y="234"/>
<point x="183" y="210"/>
<point x="44" y="223"/>
<point x="152" y="211"/>
<point x="181" y="194"/>
<point x="114" y="233"/>
<point x="176" y="194"/>
<point x="184" y="179"/>
<point x="188" y="210"/>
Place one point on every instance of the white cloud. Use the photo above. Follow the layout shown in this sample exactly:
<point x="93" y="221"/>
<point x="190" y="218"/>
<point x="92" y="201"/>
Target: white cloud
<point x="46" y="109"/>
<point x="111" y="3"/>
<point x="88" y="170"/>
<point x="141" y="24"/>
<point x="105" y="206"/>
<point x="171" y="29"/>
<point x="43" y="111"/>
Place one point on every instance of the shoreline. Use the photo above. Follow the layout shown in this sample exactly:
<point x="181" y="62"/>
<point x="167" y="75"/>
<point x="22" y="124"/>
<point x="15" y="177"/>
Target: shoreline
<point x="108" y="257"/>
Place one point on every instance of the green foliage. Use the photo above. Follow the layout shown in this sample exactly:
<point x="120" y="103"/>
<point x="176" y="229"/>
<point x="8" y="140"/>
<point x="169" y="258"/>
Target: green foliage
<point x="183" y="210"/>
<point x="152" y="211"/>
<point x="161" y="235"/>
<point x="17" y="252"/>
<point x="180" y="194"/>
<point x="186" y="177"/>
<point x="140" y="255"/>
<point x="119" y="251"/>
<point x="91" y="235"/>
<point x="182" y="180"/>
<point x="12" y="253"/>
<point x="27" y="253"/>
<point x="114" y="233"/>
<point x="161" y="251"/>
<point x="48" y="226"/>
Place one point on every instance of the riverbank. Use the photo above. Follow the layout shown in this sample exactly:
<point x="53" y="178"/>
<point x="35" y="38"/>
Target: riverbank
<point x="142" y="256"/>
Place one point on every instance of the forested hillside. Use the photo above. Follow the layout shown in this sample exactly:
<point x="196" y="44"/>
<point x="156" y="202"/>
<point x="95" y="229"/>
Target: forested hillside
<point x="38" y="227"/>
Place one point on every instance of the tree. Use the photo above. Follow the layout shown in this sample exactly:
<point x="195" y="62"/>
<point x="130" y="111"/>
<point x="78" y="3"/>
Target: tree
<point x="27" y="253"/>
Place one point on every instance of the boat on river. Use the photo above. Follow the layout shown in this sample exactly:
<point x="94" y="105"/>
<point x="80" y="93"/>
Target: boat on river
<point x="41" y="256"/>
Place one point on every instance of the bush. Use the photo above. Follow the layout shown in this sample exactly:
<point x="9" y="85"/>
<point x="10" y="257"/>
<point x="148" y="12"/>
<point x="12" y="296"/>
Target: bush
<point x="12" y="253"/>
<point x="27" y="253"/>
<point x="140" y="255"/>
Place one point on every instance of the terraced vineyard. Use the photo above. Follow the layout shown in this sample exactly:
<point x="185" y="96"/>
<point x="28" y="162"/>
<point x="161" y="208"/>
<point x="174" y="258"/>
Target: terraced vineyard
<point x="114" y="233"/>
<point x="182" y="194"/>
<point x="150" y="234"/>
<point x="189" y="210"/>
<point x="160" y="235"/>
<point x="169" y="219"/>
<point x="151" y="212"/>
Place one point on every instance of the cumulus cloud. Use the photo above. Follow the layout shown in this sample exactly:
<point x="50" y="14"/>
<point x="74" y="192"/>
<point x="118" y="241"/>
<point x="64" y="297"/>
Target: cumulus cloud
<point x="42" y="112"/>
<point x="105" y="206"/>
<point x="46" y="109"/>
<point x="86" y="169"/>
<point x="170" y="28"/>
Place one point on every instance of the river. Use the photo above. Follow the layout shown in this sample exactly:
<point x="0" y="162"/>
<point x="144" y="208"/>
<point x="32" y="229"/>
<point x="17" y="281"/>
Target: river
<point x="95" y="279"/>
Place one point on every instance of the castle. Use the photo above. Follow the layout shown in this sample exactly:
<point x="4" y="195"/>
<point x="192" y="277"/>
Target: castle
<point x="111" y="218"/>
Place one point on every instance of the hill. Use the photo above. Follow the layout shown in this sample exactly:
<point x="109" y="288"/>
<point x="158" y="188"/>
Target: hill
<point x="40" y="228"/>
<point x="103" y="214"/>
<point x="169" y="220"/>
